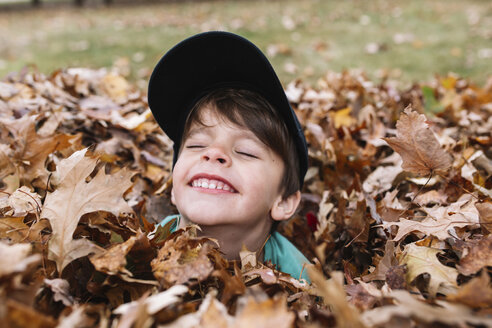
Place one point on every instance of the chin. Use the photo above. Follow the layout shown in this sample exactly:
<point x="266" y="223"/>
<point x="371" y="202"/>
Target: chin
<point x="200" y="218"/>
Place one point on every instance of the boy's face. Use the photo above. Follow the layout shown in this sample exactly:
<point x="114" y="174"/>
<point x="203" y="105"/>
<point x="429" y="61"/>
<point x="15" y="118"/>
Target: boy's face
<point x="225" y="175"/>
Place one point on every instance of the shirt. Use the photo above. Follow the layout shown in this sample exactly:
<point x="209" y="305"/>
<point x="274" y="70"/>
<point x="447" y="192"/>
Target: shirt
<point x="278" y="249"/>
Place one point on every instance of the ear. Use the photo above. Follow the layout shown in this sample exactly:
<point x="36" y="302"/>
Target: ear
<point x="173" y="200"/>
<point x="284" y="208"/>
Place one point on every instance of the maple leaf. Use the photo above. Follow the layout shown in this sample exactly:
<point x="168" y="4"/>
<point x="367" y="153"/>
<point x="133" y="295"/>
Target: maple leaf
<point x="421" y="259"/>
<point x="417" y="145"/>
<point x="75" y="197"/>
<point x="440" y="219"/>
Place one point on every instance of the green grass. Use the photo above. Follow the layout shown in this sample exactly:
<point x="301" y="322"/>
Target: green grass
<point x="446" y="35"/>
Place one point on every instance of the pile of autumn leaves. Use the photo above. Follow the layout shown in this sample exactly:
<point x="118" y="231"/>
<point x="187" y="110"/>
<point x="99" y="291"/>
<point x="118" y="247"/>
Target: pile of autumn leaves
<point x="396" y="211"/>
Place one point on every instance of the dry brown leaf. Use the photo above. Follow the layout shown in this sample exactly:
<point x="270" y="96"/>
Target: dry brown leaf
<point x="441" y="219"/>
<point x="421" y="259"/>
<point x="211" y="314"/>
<point x="113" y="260"/>
<point x="75" y="197"/>
<point x="384" y="264"/>
<point x="7" y="167"/>
<point x="417" y="145"/>
<point x="432" y="196"/>
<point x="20" y="203"/>
<point x="61" y="290"/>
<point x="334" y="296"/>
<point x="77" y="318"/>
<point x="408" y="306"/>
<point x="16" y="258"/>
<point x="476" y="293"/>
<point x="270" y="313"/>
<point x="479" y="255"/>
<point x="13" y="228"/>
<point x="31" y="150"/>
<point x="485" y="211"/>
<point x="21" y="315"/>
<point x="248" y="259"/>
<point x="157" y="302"/>
<point x="181" y="259"/>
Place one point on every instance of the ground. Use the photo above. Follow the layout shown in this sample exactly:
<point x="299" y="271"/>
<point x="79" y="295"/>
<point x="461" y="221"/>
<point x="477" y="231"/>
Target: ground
<point x="410" y="40"/>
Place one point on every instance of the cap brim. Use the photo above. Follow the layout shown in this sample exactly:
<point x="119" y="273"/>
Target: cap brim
<point x="209" y="60"/>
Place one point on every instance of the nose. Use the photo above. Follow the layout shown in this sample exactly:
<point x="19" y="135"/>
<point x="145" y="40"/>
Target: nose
<point x="216" y="155"/>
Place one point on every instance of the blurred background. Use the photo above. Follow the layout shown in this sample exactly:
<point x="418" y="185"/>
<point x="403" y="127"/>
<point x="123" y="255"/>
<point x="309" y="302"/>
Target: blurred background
<point x="400" y="39"/>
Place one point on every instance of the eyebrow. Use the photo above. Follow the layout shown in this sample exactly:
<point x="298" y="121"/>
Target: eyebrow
<point x="241" y="133"/>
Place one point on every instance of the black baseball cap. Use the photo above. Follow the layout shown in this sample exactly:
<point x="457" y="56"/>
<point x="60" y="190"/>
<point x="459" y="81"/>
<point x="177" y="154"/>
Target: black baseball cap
<point x="211" y="60"/>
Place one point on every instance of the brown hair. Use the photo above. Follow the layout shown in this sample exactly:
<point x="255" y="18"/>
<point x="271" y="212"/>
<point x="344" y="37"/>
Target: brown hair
<point x="252" y="111"/>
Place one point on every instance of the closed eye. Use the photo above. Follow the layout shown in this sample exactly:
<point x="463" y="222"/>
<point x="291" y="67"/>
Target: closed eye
<point x="247" y="154"/>
<point x="195" y="146"/>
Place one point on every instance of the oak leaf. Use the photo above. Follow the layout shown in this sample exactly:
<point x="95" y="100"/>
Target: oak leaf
<point x="75" y="197"/>
<point x="440" y="219"/>
<point x="421" y="259"/>
<point x="417" y="145"/>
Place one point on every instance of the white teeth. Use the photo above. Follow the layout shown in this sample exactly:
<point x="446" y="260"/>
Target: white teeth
<point x="211" y="184"/>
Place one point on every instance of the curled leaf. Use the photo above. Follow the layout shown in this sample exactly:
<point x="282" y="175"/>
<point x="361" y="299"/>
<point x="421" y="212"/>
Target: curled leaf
<point x="417" y="145"/>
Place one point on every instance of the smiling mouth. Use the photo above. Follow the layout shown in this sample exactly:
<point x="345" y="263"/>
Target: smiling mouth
<point x="211" y="184"/>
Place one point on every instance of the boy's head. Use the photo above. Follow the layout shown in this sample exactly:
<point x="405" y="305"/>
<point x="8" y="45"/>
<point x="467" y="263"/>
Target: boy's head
<point x="236" y="164"/>
<point x="218" y="98"/>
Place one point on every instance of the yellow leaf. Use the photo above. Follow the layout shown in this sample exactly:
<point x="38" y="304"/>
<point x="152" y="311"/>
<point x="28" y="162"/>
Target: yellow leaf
<point x="342" y="117"/>
<point x="421" y="259"/>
